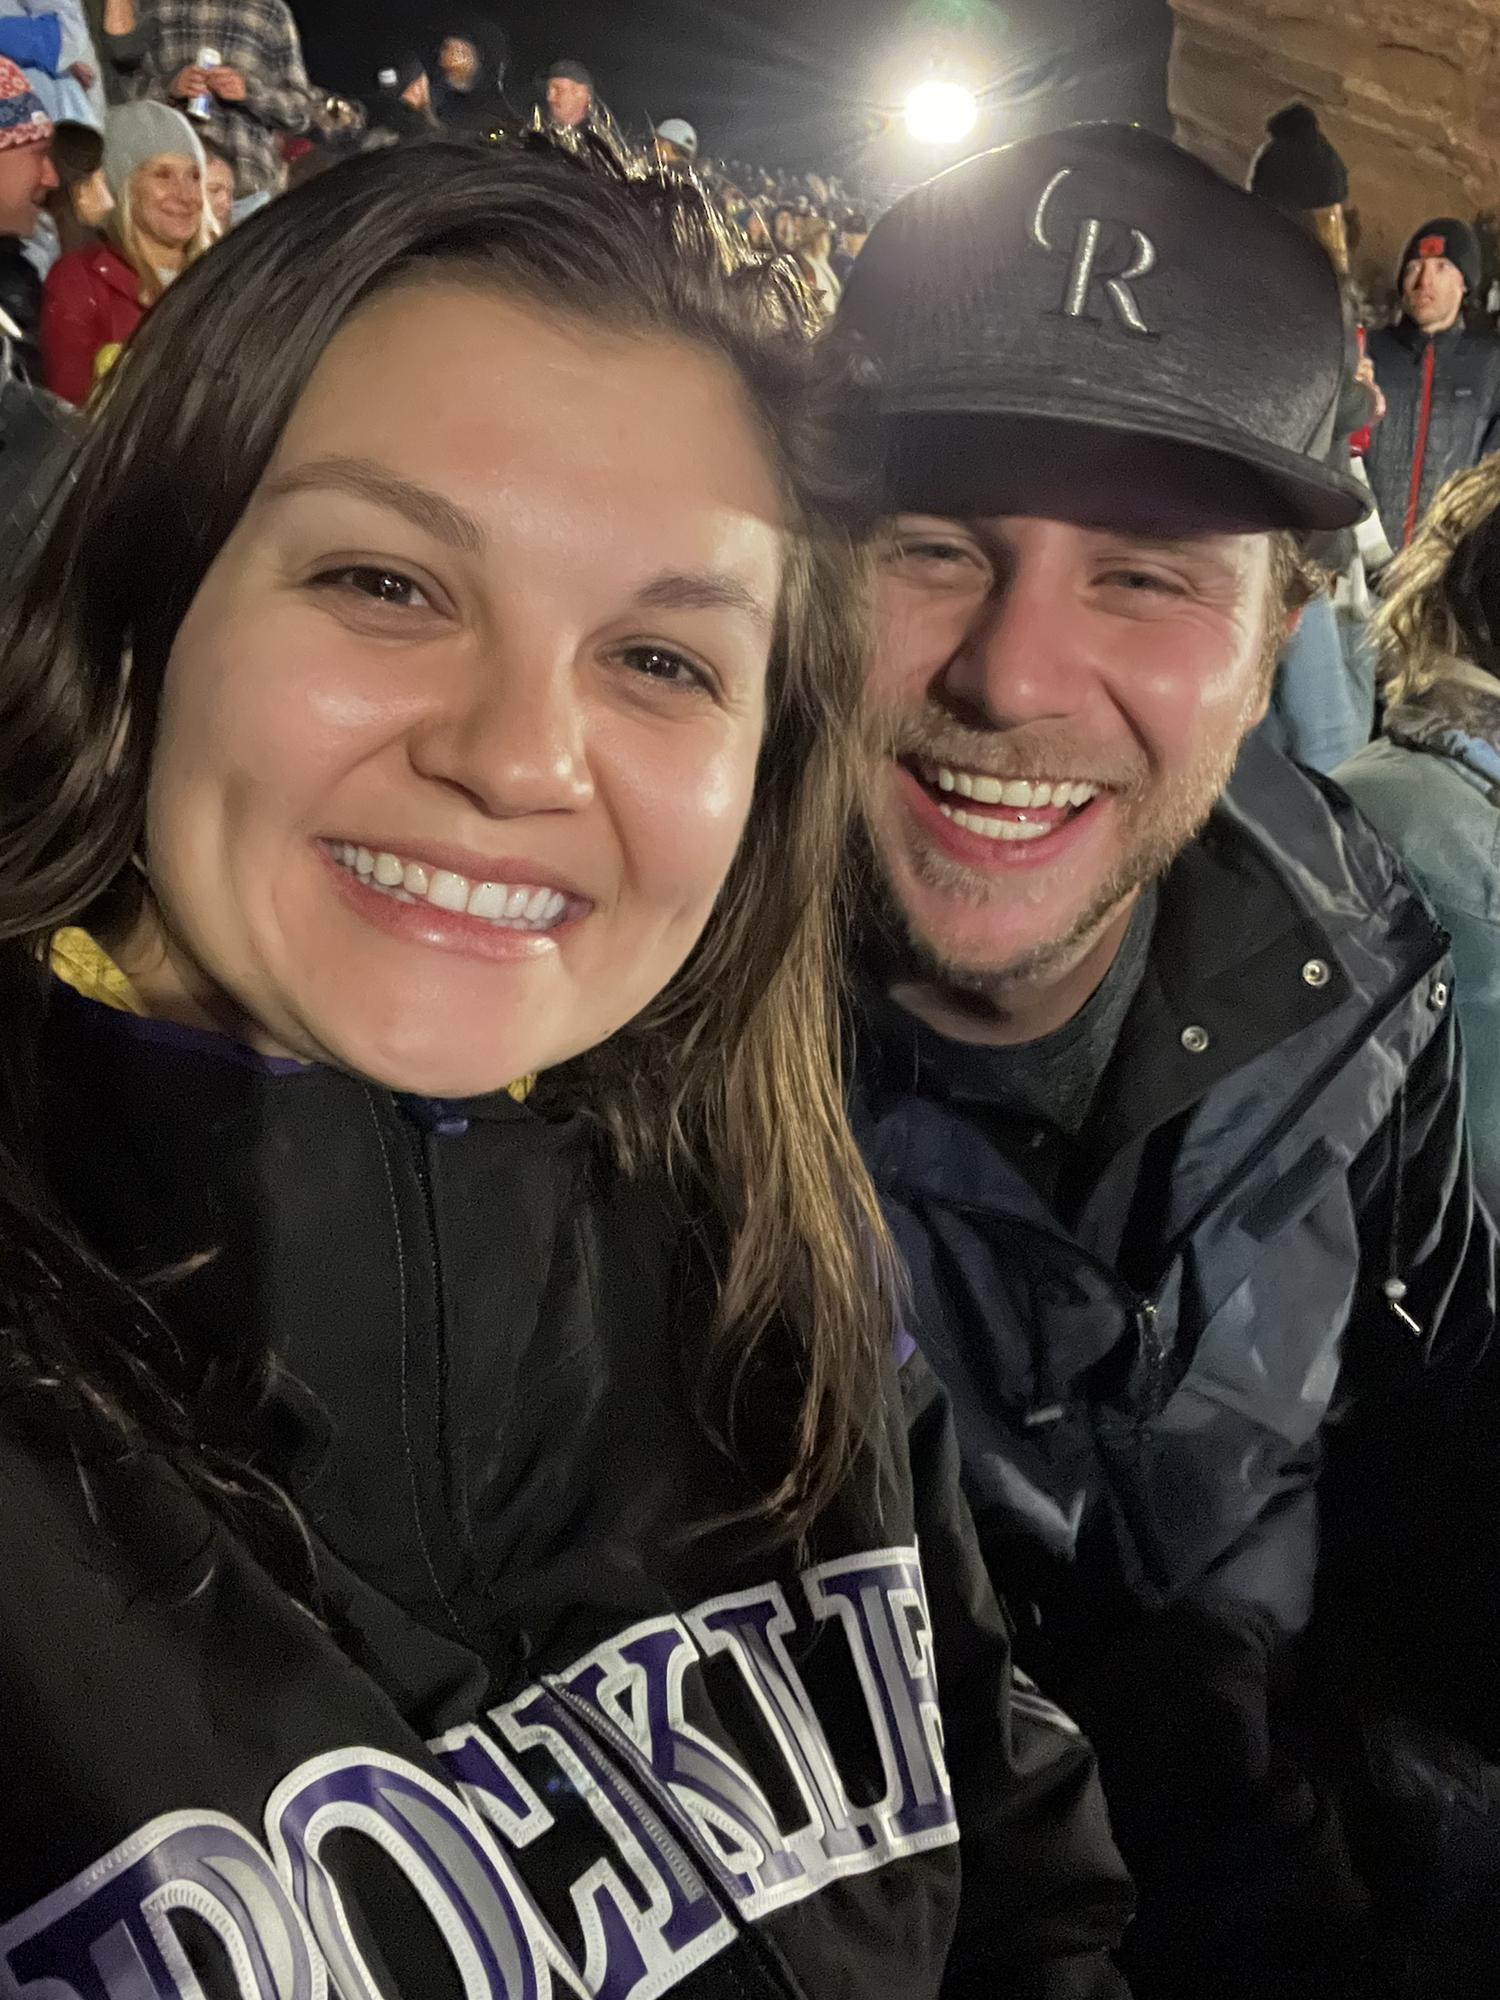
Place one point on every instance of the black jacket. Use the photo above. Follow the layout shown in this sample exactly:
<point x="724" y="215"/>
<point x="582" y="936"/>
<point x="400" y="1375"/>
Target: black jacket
<point x="38" y="436"/>
<point x="21" y="301"/>
<point x="480" y="113"/>
<point x="1442" y="416"/>
<point x="1189" y="1412"/>
<point x="538" y="1724"/>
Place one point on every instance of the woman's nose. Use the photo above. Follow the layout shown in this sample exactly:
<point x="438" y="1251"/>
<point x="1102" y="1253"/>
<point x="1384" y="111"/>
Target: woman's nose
<point x="509" y="732"/>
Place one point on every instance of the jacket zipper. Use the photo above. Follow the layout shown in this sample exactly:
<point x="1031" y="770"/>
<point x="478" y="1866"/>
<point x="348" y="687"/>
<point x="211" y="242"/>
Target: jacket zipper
<point x="411" y="1141"/>
<point x="1140" y="1309"/>
<point x="672" y="1828"/>
<point x="1419" y="452"/>
<point x="1152" y="1346"/>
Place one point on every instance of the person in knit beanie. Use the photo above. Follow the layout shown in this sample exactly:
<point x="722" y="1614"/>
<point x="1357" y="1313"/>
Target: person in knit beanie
<point x="94" y="297"/>
<point x="1323" y="697"/>
<point x="35" y="433"/>
<point x="1298" y="168"/>
<point x="27" y="177"/>
<point x="1300" y="171"/>
<point x="1441" y="379"/>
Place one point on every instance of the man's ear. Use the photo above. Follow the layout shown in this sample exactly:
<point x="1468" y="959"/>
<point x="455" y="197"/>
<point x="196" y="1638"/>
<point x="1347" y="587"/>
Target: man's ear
<point x="1290" y="620"/>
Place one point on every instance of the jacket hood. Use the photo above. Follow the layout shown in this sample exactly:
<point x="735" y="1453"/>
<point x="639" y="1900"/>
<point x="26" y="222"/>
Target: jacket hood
<point x="1457" y="718"/>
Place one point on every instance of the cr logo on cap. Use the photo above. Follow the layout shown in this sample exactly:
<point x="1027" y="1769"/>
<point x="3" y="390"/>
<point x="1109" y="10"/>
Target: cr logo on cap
<point x="1083" y="269"/>
<point x="1433" y="246"/>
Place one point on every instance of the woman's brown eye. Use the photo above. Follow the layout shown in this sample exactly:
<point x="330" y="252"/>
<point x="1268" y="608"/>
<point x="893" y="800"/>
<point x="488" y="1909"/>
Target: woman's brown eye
<point x="658" y="664"/>
<point x="380" y="583"/>
<point x="385" y="586"/>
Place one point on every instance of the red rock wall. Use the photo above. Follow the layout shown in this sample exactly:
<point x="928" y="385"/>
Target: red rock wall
<point x="1408" y="90"/>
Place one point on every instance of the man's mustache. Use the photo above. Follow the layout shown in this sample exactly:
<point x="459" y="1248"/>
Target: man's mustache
<point x="1029" y="751"/>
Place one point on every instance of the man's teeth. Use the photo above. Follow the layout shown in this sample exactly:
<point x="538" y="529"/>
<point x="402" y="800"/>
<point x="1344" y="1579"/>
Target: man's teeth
<point x="511" y="907"/>
<point x="1016" y="793"/>
<point x="996" y="829"/>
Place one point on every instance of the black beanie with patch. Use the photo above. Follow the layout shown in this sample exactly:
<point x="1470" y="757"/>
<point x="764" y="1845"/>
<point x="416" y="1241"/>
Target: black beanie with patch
<point x="1447" y="237"/>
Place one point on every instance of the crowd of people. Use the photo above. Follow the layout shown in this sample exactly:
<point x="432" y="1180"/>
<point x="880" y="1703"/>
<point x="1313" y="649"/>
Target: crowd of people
<point x="751" y="1104"/>
<point x="166" y="129"/>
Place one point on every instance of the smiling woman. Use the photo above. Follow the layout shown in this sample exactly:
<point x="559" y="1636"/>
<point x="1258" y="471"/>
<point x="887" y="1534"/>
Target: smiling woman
<point x="157" y="224"/>
<point x="440" y="677"/>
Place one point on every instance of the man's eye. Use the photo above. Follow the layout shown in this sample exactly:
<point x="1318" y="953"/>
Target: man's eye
<point x="930" y="551"/>
<point x="1142" y="582"/>
<point x="383" y="586"/>
<point x="931" y="562"/>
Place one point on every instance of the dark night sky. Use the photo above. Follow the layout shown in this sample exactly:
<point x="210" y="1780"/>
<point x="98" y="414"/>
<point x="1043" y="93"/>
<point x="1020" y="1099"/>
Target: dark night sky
<point x="804" y="83"/>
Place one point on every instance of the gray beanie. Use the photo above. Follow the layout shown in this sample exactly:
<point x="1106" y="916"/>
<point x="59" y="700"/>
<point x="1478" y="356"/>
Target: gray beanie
<point x="135" y="133"/>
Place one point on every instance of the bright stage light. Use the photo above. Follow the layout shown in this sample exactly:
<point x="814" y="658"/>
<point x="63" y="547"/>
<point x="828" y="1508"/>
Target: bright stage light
<point x="940" y="114"/>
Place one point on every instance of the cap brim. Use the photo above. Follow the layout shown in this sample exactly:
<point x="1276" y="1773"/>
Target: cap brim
<point x="1004" y="455"/>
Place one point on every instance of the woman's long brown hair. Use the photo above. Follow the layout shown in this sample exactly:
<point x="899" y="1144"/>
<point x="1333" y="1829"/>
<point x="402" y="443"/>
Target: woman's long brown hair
<point x="731" y="1078"/>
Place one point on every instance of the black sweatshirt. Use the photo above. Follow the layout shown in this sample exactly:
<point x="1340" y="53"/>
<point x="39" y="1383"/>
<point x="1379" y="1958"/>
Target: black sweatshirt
<point x="539" y="1741"/>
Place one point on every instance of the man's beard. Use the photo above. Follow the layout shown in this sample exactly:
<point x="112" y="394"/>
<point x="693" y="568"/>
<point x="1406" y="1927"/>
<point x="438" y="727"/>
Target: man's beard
<point x="1158" y="820"/>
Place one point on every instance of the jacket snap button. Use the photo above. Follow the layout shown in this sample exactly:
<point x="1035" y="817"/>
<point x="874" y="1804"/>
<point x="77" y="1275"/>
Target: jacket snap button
<point x="1440" y="995"/>
<point x="1195" y="1040"/>
<point x="1316" y="972"/>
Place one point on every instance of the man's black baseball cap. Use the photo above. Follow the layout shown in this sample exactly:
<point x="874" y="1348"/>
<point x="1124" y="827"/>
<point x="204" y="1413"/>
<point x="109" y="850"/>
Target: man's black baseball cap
<point x="1074" y="291"/>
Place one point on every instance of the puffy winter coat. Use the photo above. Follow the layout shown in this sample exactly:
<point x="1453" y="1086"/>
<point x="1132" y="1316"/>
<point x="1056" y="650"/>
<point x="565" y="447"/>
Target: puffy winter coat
<point x="1442" y="416"/>
<point x="91" y="300"/>
<point x="551" y="1734"/>
<point x="1241" y="1364"/>
<point x="1431" y="784"/>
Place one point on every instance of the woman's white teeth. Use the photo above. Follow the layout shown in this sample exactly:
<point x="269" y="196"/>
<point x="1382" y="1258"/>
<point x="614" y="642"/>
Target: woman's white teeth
<point x="489" y="899"/>
<point x="447" y="891"/>
<point x="1017" y="793"/>
<point x="409" y="882"/>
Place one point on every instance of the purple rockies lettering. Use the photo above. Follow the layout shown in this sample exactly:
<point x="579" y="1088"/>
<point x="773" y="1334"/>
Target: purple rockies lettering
<point x="690" y="1842"/>
<point x="669" y="1921"/>
<point x="753" y="1628"/>
<point x="109" y="1935"/>
<point x="883" y="1605"/>
<point x="483" y="1916"/>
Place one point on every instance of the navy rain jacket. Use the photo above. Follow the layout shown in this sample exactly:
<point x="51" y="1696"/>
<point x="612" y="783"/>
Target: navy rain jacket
<point x="1243" y="1500"/>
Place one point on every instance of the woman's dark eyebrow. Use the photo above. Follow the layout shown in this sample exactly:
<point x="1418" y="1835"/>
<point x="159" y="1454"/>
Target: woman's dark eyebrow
<point x="703" y="590"/>
<point x="673" y="590"/>
<point x="366" y="480"/>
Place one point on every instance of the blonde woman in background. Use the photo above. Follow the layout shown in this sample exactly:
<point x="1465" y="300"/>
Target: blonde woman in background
<point x="95" y="297"/>
<point x="1431" y="780"/>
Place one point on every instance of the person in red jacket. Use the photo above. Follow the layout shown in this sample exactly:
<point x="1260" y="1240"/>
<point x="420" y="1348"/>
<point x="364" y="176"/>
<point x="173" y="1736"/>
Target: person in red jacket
<point x="94" y="298"/>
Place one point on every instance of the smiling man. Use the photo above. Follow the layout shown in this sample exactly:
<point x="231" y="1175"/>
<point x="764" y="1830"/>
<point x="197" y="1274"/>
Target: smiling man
<point x="1157" y="1073"/>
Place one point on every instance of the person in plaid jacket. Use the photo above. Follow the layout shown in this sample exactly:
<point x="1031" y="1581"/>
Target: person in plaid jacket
<point x="258" y="89"/>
